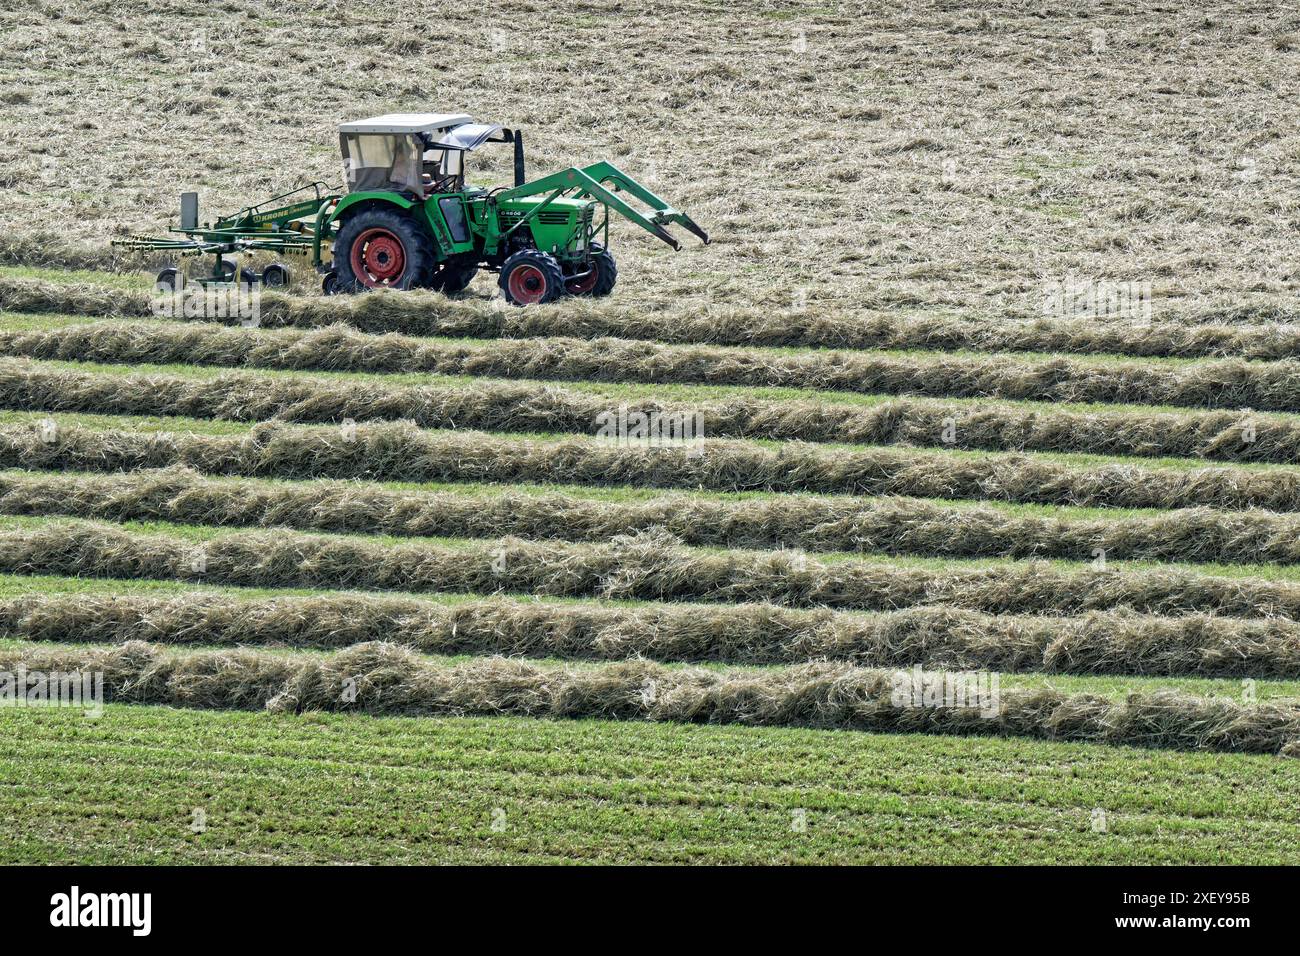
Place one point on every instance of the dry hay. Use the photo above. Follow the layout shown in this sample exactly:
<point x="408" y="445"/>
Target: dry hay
<point x="527" y="407"/>
<point x="889" y="525"/>
<point x="401" y="452"/>
<point x="416" y="314"/>
<point x="381" y="678"/>
<point x="1118" y="642"/>
<point x="929" y="157"/>
<point x="916" y="202"/>
<point x="1227" y="383"/>
<point x="647" y="566"/>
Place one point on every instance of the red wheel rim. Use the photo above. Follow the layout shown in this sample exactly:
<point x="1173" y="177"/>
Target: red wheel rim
<point x="585" y="284"/>
<point x="378" y="257"/>
<point x="527" y="284"/>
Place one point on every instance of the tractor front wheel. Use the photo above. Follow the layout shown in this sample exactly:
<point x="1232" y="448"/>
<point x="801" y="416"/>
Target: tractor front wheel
<point x="382" y="249"/>
<point x="601" y="275"/>
<point x="531" y="278"/>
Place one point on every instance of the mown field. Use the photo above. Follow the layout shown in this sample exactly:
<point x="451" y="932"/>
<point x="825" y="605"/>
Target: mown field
<point x="366" y="585"/>
<point x="581" y="650"/>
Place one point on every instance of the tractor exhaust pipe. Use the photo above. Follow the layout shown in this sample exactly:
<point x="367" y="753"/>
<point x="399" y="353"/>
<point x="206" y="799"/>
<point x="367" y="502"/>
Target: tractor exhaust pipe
<point x="519" y="158"/>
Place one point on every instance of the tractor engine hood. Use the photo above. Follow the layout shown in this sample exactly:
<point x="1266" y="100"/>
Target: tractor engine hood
<point x="565" y="205"/>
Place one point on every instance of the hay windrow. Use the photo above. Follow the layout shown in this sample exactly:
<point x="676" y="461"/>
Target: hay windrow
<point x="646" y="566"/>
<point x="748" y="634"/>
<point x="401" y="452"/>
<point x="496" y="406"/>
<point x="1271" y="386"/>
<point x="889" y="525"/>
<point x="381" y="678"/>
<point x="989" y="163"/>
<point x="1197" y="337"/>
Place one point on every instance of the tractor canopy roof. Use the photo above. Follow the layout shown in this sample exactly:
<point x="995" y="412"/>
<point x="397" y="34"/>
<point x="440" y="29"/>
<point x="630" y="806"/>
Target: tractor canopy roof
<point x="408" y="123"/>
<point x="385" y="152"/>
<point x="470" y="136"/>
<point x="408" y="151"/>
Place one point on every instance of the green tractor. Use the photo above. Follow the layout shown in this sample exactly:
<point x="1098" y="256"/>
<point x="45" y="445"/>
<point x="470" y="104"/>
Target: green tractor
<point x="408" y="219"/>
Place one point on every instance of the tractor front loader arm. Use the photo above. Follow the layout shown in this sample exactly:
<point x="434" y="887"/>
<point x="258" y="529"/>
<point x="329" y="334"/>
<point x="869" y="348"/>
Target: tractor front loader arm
<point x="584" y="184"/>
<point x="609" y="174"/>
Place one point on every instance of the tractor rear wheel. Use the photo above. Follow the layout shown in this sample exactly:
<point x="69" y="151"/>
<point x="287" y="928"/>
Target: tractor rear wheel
<point x="600" y="278"/>
<point x="382" y="249"/>
<point x="531" y="278"/>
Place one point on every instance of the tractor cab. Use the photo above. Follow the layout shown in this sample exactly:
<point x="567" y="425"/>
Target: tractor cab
<point x="413" y="153"/>
<point x="444" y="157"/>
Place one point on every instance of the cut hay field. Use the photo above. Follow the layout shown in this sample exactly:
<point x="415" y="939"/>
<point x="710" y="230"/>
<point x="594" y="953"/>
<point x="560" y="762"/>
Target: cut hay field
<point x="366" y="584"/>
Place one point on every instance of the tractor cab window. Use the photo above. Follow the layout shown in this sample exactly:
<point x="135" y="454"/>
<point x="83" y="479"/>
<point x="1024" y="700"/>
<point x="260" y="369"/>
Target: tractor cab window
<point x="381" y="161"/>
<point x="440" y="163"/>
<point x="443" y="169"/>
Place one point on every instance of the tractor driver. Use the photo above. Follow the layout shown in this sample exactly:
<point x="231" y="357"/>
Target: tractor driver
<point x="441" y="166"/>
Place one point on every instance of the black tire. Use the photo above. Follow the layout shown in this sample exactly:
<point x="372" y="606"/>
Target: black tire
<point x="454" y="274"/>
<point x="169" y="280"/>
<point x="329" y="284"/>
<point x="275" y="276"/>
<point x="388" y="249"/>
<point x="601" y="283"/>
<point x="232" y="271"/>
<point x="531" y="278"/>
